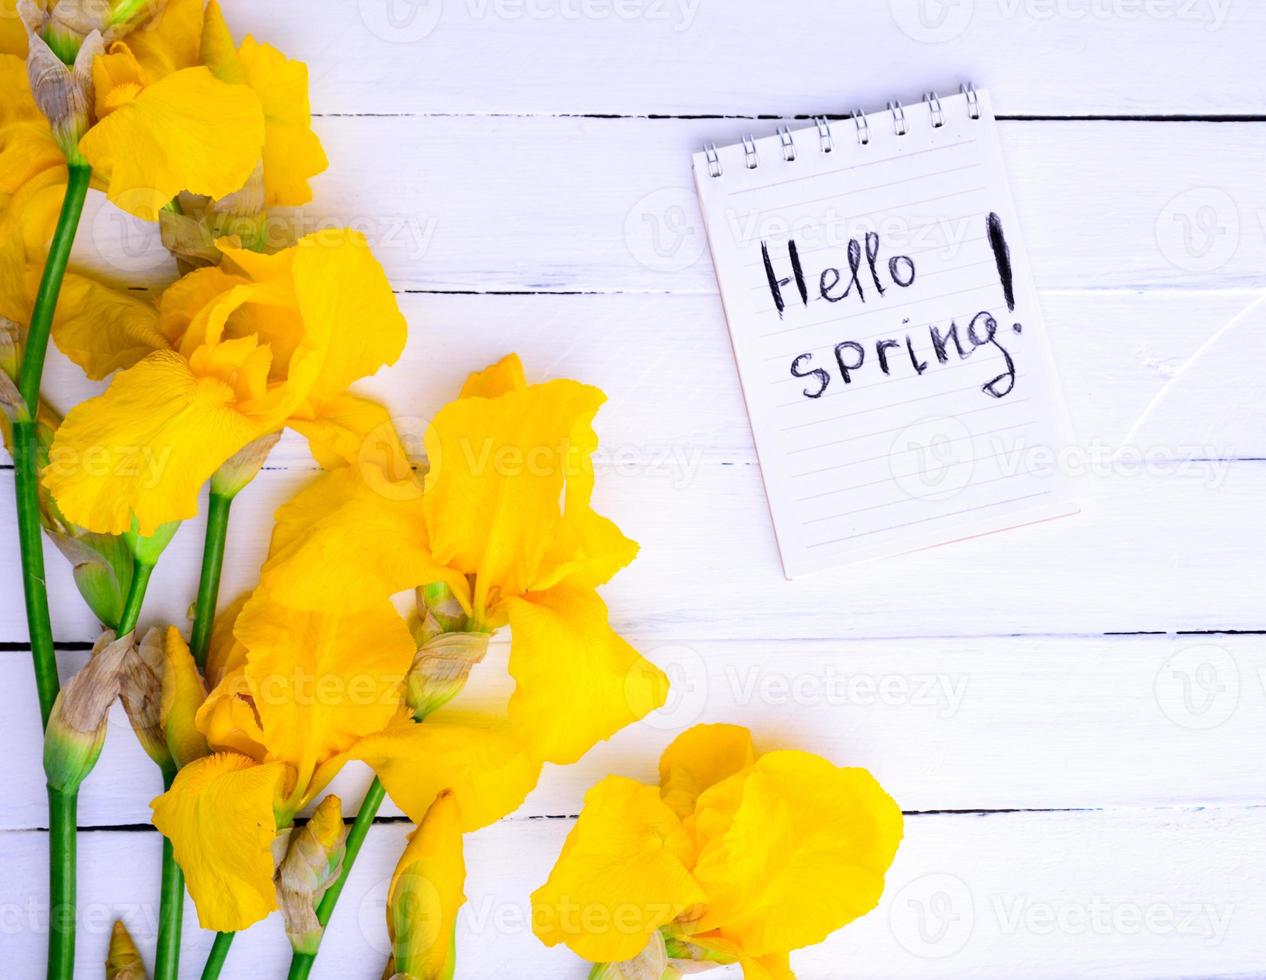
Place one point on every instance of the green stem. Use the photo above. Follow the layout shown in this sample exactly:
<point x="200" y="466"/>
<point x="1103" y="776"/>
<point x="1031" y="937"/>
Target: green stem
<point x="25" y="443"/>
<point x="62" y="809"/>
<point x="171" y="908"/>
<point x="219" y="953"/>
<point x="301" y="963"/>
<point x="135" y="597"/>
<point x="209" y="585"/>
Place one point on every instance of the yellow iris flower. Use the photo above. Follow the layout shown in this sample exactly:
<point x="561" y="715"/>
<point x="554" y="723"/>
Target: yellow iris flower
<point x="231" y="353"/>
<point x="503" y="518"/>
<point x="425" y="894"/>
<point x="734" y="858"/>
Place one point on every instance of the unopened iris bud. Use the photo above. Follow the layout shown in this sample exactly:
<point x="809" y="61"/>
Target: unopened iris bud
<point x="218" y="52"/>
<point x="12" y="338"/>
<point x="312" y="863"/>
<point x="438" y="612"/>
<point x="123" y="961"/>
<point x="183" y="692"/>
<point x="59" y="67"/>
<point x="425" y="894"/>
<point x="161" y="691"/>
<point x="650" y="964"/>
<point x="243" y="466"/>
<point x="77" y="726"/>
<point x="141" y="691"/>
<point x="440" y="669"/>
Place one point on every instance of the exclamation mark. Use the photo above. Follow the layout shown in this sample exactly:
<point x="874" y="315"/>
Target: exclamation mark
<point x="1002" y="256"/>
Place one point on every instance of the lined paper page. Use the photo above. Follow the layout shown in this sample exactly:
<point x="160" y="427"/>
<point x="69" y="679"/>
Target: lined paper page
<point x="895" y="364"/>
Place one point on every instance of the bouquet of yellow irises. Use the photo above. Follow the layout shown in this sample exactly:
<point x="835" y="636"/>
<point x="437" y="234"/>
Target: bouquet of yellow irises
<point x="734" y="858"/>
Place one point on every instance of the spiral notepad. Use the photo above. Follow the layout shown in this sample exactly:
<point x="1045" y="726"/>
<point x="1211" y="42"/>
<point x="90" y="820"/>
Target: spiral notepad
<point x="894" y="361"/>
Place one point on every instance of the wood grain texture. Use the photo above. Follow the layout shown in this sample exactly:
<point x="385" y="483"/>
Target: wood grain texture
<point x="1049" y="57"/>
<point x="567" y="204"/>
<point x="491" y="147"/>
<point x="952" y="724"/>
<point x="1131" y="893"/>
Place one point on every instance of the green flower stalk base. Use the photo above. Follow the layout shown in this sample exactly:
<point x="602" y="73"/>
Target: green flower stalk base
<point x="62" y="810"/>
<point x="209" y="584"/>
<point x="171" y="909"/>
<point x="301" y="963"/>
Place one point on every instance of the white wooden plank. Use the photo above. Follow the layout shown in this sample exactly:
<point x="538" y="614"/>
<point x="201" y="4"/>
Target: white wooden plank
<point x="1132" y="893"/>
<point x="666" y="366"/>
<point x="988" y="723"/>
<point x="563" y="204"/>
<point x="687" y="56"/>
<point x="1178" y="545"/>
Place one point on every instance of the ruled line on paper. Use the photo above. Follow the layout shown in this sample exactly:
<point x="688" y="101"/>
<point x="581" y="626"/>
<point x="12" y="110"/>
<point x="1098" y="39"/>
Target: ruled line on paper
<point x="891" y="478"/>
<point x="905" y="327"/>
<point x="843" y="170"/>
<point x="897" y="428"/>
<point x="909" y="500"/>
<point x="934" y="517"/>
<point x="889" y="455"/>
<point x="837" y="196"/>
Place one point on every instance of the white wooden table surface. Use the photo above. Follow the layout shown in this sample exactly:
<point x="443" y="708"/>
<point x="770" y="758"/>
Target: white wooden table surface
<point x="1071" y="714"/>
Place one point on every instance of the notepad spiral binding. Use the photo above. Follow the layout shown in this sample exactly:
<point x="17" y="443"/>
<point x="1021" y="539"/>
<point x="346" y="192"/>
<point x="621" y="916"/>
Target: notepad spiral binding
<point x="826" y="139"/>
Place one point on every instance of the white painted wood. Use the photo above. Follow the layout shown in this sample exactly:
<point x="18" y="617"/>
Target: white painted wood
<point x="559" y="204"/>
<point x="1179" y="547"/>
<point x="666" y="366"/>
<point x="1129" y="893"/>
<point x="690" y="56"/>
<point x="953" y="724"/>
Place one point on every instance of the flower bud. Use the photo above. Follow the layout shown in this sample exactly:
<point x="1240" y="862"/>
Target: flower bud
<point x="123" y="961"/>
<point x="426" y="892"/>
<point x="60" y="70"/>
<point x="100" y="563"/>
<point x="440" y="669"/>
<point x="141" y="691"/>
<point x="218" y="52"/>
<point x="183" y="692"/>
<point x="12" y="340"/>
<point x="312" y="863"/>
<point x="650" y="964"/>
<point x="243" y="466"/>
<point x="77" y="726"/>
<point x="438" y="611"/>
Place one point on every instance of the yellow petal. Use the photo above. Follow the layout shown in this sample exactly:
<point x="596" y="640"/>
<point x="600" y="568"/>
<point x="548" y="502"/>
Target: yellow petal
<point x="489" y="771"/>
<point x="700" y="757"/>
<point x="337" y="429"/>
<point x="292" y="152"/>
<point x="188" y="131"/>
<point x="144" y="447"/>
<point x="187" y="299"/>
<point x="797" y="852"/>
<point x="321" y="681"/>
<point x="218" y="816"/>
<point x="499" y="467"/>
<point x="12" y="30"/>
<point x="496" y="379"/>
<point x="578" y="681"/>
<point x="182" y="695"/>
<point x="168" y="40"/>
<point x="622" y="874"/>
<point x="341" y="543"/>
<point x="349" y="311"/>
<point x="426" y="892"/>
<point x="217" y="50"/>
<point x="117" y="78"/>
<point x="104" y="330"/>
<point x="225" y="653"/>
